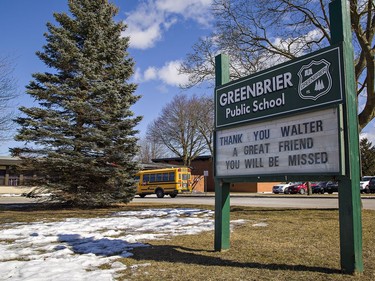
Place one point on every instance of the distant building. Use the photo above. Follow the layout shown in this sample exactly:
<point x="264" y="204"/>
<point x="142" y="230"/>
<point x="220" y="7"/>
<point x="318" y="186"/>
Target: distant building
<point x="201" y="170"/>
<point x="203" y="165"/>
<point x="8" y="176"/>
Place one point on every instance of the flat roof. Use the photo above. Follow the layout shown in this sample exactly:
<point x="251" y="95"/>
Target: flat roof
<point x="179" y="159"/>
<point x="9" y="160"/>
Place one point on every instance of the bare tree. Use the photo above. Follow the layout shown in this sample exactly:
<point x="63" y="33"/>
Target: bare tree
<point x="203" y="115"/>
<point x="177" y="128"/>
<point x="257" y="34"/>
<point x="150" y="149"/>
<point x="7" y="94"/>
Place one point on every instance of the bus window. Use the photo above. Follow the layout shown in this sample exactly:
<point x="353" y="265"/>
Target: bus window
<point x="146" y="178"/>
<point x="152" y="177"/>
<point x="158" y="177"/>
<point x="165" y="177"/>
<point x="171" y="176"/>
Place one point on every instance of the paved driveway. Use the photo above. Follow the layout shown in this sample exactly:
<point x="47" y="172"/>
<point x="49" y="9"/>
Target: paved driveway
<point x="276" y="201"/>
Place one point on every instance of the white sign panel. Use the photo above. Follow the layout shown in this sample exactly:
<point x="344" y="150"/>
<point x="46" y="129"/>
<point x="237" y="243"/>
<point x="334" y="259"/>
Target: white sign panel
<point x="300" y="144"/>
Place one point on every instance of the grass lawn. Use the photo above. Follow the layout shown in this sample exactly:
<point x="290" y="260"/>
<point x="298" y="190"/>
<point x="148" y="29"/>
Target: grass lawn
<point x="272" y="244"/>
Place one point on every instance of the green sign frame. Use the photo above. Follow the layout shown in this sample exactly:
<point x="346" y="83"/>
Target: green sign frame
<point x="350" y="218"/>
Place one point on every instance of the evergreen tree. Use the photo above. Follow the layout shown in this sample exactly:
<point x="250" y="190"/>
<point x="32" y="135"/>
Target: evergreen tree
<point x="82" y="133"/>
<point x="367" y="151"/>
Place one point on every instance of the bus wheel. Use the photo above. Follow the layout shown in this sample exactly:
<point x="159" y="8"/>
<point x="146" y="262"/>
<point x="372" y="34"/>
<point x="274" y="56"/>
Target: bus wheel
<point x="142" y="195"/>
<point x="173" y="195"/>
<point x="160" y="193"/>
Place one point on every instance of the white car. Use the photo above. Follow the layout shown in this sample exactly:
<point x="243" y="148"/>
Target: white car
<point x="281" y="188"/>
<point x="363" y="184"/>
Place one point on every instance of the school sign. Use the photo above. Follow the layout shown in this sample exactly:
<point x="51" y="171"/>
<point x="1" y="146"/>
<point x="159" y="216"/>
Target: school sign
<point x="295" y="86"/>
<point x="292" y="121"/>
<point x="283" y="121"/>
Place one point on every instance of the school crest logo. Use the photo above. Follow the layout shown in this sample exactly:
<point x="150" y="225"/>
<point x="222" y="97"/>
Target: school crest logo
<point x="314" y="80"/>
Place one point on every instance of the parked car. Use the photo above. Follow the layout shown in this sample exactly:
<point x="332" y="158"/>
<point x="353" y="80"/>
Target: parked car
<point x="332" y="186"/>
<point x="281" y="188"/>
<point x="371" y="185"/>
<point x="300" y="187"/>
<point x="319" y="187"/>
<point x="364" y="184"/>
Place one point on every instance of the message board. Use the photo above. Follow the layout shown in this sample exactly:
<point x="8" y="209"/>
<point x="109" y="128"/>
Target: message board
<point x="305" y="83"/>
<point x="299" y="144"/>
<point x="298" y="119"/>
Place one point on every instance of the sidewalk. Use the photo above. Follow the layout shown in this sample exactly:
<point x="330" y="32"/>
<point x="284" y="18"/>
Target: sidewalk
<point x="10" y="190"/>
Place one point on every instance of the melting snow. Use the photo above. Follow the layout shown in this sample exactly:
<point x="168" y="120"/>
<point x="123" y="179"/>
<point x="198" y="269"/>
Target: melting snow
<point x="74" y="249"/>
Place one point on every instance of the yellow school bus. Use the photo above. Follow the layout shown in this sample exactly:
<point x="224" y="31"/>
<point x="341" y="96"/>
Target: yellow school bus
<point x="167" y="181"/>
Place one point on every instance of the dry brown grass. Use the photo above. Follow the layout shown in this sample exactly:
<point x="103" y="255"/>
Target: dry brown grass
<point x="295" y="245"/>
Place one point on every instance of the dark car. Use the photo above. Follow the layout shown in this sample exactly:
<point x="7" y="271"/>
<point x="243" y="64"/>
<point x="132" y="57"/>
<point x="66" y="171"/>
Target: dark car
<point x="319" y="187"/>
<point x="371" y="185"/>
<point x="364" y="184"/>
<point x="332" y="186"/>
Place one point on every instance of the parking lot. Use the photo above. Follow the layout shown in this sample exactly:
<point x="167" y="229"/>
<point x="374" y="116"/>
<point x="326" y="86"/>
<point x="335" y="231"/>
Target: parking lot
<point x="237" y="199"/>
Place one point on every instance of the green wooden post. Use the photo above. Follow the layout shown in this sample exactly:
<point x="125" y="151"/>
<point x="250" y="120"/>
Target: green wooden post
<point x="222" y="199"/>
<point x="222" y="216"/>
<point x="349" y="195"/>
